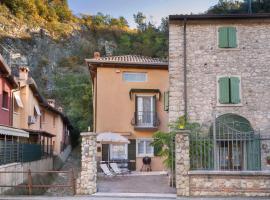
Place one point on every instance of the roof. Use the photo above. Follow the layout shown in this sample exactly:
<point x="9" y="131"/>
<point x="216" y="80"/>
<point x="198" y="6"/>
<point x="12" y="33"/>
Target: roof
<point x="7" y="130"/>
<point x="43" y="102"/>
<point x="129" y="60"/>
<point x="220" y="16"/>
<point x="39" y="132"/>
<point x="5" y="69"/>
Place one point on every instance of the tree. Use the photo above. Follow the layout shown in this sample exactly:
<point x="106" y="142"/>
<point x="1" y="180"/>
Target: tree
<point x="140" y="20"/>
<point x="227" y="7"/>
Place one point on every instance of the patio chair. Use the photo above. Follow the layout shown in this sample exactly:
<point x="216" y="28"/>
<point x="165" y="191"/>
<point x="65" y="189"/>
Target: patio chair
<point x="105" y="169"/>
<point x="116" y="169"/>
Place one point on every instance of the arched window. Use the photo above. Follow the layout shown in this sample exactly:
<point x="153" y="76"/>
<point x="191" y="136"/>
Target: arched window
<point x="237" y="147"/>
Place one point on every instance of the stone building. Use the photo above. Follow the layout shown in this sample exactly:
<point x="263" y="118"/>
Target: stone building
<point x="219" y="74"/>
<point x="196" y="52"/>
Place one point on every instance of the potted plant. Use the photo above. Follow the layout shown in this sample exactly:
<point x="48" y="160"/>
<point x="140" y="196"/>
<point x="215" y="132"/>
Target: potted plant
<point x="268" y="160"/>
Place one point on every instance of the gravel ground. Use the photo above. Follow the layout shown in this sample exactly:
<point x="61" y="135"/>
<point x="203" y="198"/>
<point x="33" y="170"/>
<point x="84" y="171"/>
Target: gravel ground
<point x="73" y="162"/>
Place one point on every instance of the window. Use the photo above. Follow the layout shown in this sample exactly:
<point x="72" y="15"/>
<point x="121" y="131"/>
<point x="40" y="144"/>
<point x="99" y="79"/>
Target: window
<point x="118" y="151"/>
<point x="36" y="111"/>
<point x="227" y="37"/>
<point x="134" y="77"/>
<point x="144" y="147"/>
<point x="145" y="111"/>
<point x="229" y="90"/>
<point x="166" y="101"/>
<point x="5" y="100"/>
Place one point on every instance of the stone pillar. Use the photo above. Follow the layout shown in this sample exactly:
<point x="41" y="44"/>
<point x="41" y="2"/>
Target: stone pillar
<point x="87" y="180"/>
<point x="182" y="163"/>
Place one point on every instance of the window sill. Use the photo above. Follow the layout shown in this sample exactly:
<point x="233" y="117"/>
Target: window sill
<point x="5" y="109"/>
<point x="145" y="128"/>
<point x="145" y="155"/>
<point x="229" y="105"/>
<point x="229" y="49"/>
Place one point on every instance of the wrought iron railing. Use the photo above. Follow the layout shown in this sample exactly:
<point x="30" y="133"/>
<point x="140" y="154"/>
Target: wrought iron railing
<point x="145" y="119"/>
<point x="225" y="149"/>
<point x="11" y="152"/>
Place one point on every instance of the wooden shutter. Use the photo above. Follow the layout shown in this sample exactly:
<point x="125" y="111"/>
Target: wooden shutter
<point x="136" y="109"/>
<point x="132" y="155"/>
<point x="154" y="114"/>
<point x="223" y="37"/>
<point x="166" y="101"/>
<point x="253" y="153"/>
<point x="224" y="96"/>
<point x="105" y="148"/>
<point x="235" y="90"/>
<point x="232" y="37"/>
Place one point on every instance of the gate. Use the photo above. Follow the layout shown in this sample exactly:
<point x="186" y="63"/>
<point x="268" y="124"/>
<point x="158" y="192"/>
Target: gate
<point x="231" y="144"/>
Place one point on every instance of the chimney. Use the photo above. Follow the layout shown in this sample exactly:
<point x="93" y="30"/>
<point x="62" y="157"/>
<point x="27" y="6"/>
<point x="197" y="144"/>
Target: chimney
<point x="96" y="55"/>
<point x="23" y="73"/>
<point x="60" y="109"/>
<point x="51" y="102"/>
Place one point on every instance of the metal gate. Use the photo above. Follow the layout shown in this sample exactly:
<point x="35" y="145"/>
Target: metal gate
<point x="231" y="144"/>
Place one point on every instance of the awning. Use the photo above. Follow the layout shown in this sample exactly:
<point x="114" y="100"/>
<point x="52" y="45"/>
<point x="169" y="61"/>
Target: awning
<point x="37" y="110"/>
<point x="4" y="130"/>
<point x="18" y="100"/>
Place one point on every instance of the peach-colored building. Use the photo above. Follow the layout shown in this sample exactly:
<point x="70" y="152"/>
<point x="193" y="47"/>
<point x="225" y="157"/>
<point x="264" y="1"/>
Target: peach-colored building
<point x="129" y="95"/>
<point x="45" y="123"/>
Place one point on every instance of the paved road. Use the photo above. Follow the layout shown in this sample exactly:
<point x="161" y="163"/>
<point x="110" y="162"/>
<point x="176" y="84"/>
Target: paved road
<point x="121" y="198"/>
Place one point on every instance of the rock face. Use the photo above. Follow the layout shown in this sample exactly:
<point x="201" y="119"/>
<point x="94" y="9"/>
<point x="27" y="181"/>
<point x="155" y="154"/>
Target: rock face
<point x="45" y="55"/>
<point x="206" y="62"/>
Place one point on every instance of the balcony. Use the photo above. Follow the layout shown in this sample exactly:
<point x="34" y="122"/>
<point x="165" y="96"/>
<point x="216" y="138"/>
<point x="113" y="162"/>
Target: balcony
<point x="145" y="121"/>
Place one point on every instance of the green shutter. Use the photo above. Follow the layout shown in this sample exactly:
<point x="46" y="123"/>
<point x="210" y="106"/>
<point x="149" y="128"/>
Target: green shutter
<point x="166" y="101"/>
<point x="232" y="37"/>
<point x="132" y="155"/>
<point x="223" y="37"/>
<point x="105" y="156"/>
<point x="224" y="96"/>
<point x="253" y="153"/>
<point x="235" y="90"/>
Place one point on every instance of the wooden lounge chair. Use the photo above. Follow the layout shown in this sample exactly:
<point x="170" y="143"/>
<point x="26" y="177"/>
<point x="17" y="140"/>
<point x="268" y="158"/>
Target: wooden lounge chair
<point x="116" y="169"/>
<point x="105" y="169"/>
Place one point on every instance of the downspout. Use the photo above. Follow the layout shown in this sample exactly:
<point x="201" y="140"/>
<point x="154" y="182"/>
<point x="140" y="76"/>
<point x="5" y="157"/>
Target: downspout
<point x="185" y="67"/>
<point x="94" y="95"/>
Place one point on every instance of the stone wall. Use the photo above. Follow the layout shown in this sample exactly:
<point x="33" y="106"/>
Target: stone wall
<point x="205" y="62"/>
<point x="215" y="183"/>
<point x="182" y="163"/>
<point x="87" y="180"/>
<point x="18" y="178"/>
<point x="229" y="184"/>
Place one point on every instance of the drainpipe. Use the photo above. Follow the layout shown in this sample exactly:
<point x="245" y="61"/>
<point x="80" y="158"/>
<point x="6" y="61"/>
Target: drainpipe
<point x="94" y="96"/>
<point x="185" y="67"/>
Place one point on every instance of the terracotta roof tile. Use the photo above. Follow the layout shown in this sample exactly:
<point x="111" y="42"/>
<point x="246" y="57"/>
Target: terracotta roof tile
<point x="129" y="59"/>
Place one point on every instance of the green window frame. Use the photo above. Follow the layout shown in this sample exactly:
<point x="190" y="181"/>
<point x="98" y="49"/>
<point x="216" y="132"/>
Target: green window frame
<point x="227" y="37"/>
<point x="229" y="90"/>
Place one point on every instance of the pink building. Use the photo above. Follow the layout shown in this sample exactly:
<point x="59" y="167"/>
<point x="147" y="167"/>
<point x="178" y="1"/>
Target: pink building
<point x="7" y="84"/>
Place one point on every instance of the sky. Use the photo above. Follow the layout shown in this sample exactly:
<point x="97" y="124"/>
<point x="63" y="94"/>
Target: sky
<point x="153" y="9"/>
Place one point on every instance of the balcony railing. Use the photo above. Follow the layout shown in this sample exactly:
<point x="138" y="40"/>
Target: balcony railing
<point x="145" y="119"/>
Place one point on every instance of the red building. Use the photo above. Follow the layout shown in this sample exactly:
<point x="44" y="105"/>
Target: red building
<point x="7" y="84"/>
